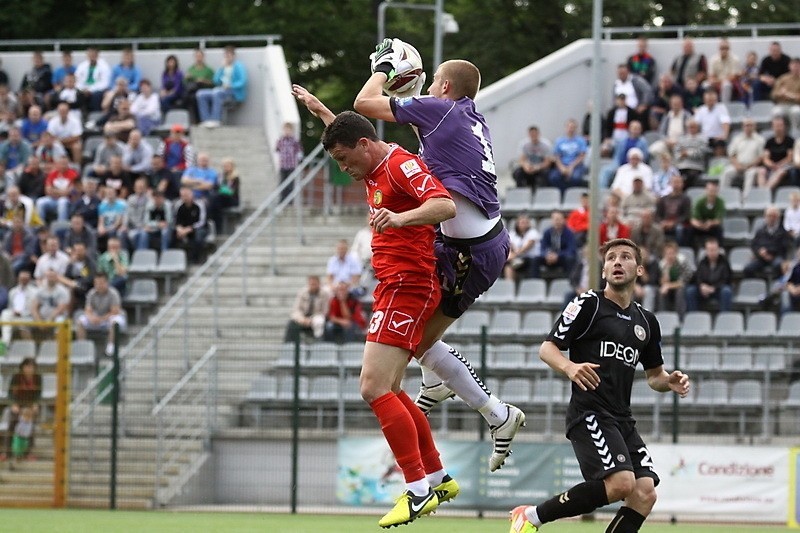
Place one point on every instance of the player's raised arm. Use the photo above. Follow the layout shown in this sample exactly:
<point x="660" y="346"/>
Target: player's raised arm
<point x="313" y="104"/>
<point x="370" y="101"/>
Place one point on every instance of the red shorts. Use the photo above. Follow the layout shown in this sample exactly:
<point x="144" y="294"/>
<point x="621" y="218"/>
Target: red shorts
<point x="403" y="304"/>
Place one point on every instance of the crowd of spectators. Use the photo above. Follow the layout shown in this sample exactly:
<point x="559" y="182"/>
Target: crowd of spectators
<point x="670" y="133"/>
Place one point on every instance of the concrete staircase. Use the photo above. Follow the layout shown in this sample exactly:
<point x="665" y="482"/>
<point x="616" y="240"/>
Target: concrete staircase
<point x="247" y="341"/>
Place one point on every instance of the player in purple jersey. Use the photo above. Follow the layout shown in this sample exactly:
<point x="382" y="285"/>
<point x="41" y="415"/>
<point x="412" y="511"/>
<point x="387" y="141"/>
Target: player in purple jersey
<point x="472" y="248"/>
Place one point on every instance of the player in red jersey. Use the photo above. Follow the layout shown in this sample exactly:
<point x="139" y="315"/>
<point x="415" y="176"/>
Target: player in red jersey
<point x="405" y="200"/>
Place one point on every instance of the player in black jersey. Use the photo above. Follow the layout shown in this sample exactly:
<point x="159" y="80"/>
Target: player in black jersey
<point x="607" y="335"/>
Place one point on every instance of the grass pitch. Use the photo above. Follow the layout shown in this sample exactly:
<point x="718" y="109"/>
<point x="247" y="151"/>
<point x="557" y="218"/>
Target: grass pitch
<point x="80" y="521"/>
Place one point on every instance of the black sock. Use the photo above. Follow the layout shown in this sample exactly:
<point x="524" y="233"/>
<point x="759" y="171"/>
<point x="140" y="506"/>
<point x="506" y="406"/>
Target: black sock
<point x="580" y="499"/>
<point x="626" y="521"/>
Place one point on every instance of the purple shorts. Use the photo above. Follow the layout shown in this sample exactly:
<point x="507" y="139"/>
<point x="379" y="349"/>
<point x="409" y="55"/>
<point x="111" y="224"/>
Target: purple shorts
<point x="468" y="267"/>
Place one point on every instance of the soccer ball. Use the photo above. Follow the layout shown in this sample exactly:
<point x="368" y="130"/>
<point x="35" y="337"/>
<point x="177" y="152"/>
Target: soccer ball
<point x="407" y="73"/>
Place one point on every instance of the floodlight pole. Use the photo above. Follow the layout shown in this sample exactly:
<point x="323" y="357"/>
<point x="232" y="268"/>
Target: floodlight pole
<point x="594" y="166"/>
<point x="438" y="32"/>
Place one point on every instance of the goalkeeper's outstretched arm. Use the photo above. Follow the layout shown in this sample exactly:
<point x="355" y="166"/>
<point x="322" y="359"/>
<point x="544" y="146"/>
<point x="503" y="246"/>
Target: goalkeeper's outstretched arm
<point x="371" y="102"/>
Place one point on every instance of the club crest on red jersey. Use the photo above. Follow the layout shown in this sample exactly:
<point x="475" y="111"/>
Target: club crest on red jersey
<point x="377" y="197"/>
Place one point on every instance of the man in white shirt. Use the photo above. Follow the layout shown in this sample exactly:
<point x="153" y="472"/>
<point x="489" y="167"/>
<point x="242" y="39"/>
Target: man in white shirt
<point x="20" y="303"/>
<point x="52" y="259"/>
<point x="343" y="267"/>
<point x="638" y="93"/>
<point x="744" y="153"/>
<point x="93" y="77"/>
<point x="713" y="117"/>
<point x="67" y="129"/>
<point x="724" y="71"/>
<point x="634" y="168"/>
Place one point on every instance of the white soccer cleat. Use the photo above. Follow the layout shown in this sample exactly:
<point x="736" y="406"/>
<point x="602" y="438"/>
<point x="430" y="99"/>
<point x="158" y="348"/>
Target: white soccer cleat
<point x="428" y="397"/>
<point x="502" y="436"/>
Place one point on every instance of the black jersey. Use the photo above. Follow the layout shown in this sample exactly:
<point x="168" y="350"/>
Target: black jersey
<point x="596" y="330"/>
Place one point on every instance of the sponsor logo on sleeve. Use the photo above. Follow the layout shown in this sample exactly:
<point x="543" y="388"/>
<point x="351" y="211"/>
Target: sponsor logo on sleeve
<point x="423" y="184"/>
<point x="400" y="323"/>
<point x="402" y="102"/>
<point x="410" y="168"/>
<point x="571" y="311"/>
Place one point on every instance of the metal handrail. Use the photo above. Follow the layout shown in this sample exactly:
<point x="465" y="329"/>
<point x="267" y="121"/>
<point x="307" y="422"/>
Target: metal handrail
<point x="681" y="31"/>
<point x="298" y="180"/>
<point x="134" y="42"/>
<point x="183" y="381"/>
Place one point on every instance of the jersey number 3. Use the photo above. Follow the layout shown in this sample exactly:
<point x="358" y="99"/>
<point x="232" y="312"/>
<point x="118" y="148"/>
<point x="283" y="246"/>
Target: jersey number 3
<point x="375" y="323"/>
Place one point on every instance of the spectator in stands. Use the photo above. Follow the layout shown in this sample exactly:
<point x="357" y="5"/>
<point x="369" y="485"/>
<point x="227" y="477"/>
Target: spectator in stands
<point x="190" y="225"/>
<point x="114" y="264"/>
<point x="128" y="70"/>
<point x="711" y="281"/>
<point x="689" y="65"/>
<point x="48" y="151"/>
<point x="308" y="313"/>
<point x="20" y="298"/>
<point x="645" y="232"/>
<point x="17" y="204"/>
<point x="58" y="187"/>
<point x="52" y="259"/>
<point x="749" y="77"/>
<point x="558" y="248"/>
<point x="690" y="153"/>
<point x="73" y="96"/>
<point x="31" y="181"/>
<point x="137" y="212"/>
<point x="707" y="215"/>
<point x="792" y="177"/>
<point x="146" y="108"/>
<point x="664" y="92"/>
<point x="578" y="220"/>
<point x="745" y="153"/>
<point x="534" y="162"/>
<point x="7" y="121"/>
<point x="290" y="153"/>
<point x="568" y="156"/>
<point x="201" y="178"/>
<point x="198" y="76"/>
<point x="345" y="320"/>
<point x="627" y="173"/>
<point x="578" y="276"/>
<point x="622" y="148"/>
<point x="663" y="174"/>
<point x="24" y="394"/>
<point x="791" y="295"/>
<point x="771" y="245"/>
<point x="33" y="126"/>
<point x="79" y="275"/>
<point x="26" y="98"/>
<point x="88" y="204"/>
<point x="640" y="199"/>
<point x="52" y="300"/>
<point x="102" y="157"/>
<point x="713" y="117"/>
<point x="226" y="194"/>
<point x="230" y="82"/>
<point x="362" y="245"/>
<point x="718" y="161"/>
<point x="112" y="214"/>
<point x="693" y="95"/>
<point x="612" y="227"/>
<point x="122" y="122"/>
<point x="19" y="245"/>
<point x="176" y="150"/>
<point x="773" y="66"/>
<point x="68" y="130"/>
<point x="676" y="271"/>
<point x="158" y="223"/>
<point x="777" y="158"/>
<point x="786" y="94"/>
<point x="8" y="101"/>
<point x="725" y="72"/>
<point x="14" y="153"/>
<point x="7" y="278"/>
<point x="791" y="217"/>
<point x="116" y="177"/>
<point x="93" y="78"/>
<point x="343" y="267"/>
<point x="638" y="92"/>
<point x="163" y="179"/>
<point x="39" y="78"/>
<point x="59" y="76"/>
<point x="647" y="284"/>
<point x="79" y="232"/>
<point x="113" y="97"/>
<point x="642" y="63"/>
<point x="673" y="124"/>
<point x="524" y="243"/>
<point x="138" y="154"/>
<point x="618" y="120"/>
<point x="674" y="211"/>
<point x="103" y="309"/>
<point x="171" y="84"/>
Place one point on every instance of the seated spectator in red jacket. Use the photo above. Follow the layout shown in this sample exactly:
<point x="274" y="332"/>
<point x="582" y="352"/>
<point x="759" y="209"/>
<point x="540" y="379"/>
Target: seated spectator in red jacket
<point x="176" y="150"/>
<point x="578" y="220"/>
<point x="58" y="186"/>
<point x="612" y="227"/>
<point x="345" y="321"/>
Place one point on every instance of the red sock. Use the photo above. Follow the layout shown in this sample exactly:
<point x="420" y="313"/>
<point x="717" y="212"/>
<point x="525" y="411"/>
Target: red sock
<point x="400" y="432"/>
<point x="427" y="448"/>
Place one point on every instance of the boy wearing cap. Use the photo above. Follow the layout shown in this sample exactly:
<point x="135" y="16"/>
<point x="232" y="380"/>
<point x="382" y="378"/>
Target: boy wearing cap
<point x="176" y="150"/>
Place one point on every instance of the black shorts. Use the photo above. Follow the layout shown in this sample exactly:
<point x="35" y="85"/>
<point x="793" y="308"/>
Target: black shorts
<point x="604" y="445"/>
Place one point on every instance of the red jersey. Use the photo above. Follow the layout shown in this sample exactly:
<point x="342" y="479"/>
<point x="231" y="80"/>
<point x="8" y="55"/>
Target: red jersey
<point x="400" y="183"/>
<point x="61" y="181"/>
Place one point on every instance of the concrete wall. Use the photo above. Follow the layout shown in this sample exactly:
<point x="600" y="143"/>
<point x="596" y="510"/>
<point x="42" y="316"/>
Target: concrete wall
<point x="559" y="86"/>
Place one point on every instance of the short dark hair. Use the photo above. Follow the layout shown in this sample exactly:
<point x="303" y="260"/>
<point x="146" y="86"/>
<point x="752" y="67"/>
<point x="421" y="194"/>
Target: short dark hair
<point x="346" y="129"/>
<point x="99" y="275"/>
<point x="622" y="242"/>
<point x="532" y="128"/>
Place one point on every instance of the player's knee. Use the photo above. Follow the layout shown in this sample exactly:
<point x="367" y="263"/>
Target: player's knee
<point x="620" y="486"/>
<point x="645" y="496"/>
<point x="371" y="390"/>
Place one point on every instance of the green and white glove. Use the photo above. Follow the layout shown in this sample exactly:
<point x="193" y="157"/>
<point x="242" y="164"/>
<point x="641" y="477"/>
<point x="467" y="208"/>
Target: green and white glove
<point x="386" y="57"/>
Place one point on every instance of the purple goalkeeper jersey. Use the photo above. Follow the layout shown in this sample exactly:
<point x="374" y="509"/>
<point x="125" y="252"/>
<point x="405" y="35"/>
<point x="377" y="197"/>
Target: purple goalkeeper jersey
<point x="455" y="144"/>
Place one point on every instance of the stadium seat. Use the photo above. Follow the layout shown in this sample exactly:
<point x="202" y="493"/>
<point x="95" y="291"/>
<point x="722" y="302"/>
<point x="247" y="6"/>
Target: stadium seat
<point x="782" y="196"/>
<point x="737" y="111"/>
<point x="143" y="262"/>
<point x="505" y="323"/>
<point x="90" y="147"/>
<point x="711" y="392"/>
<point x="735" y="230"/>
<point x="511" y="356"/>
<point x="557" y="290"/>
<point x="651" y="137"/>
<point x="738" y="259"/>
<point x="769" y="357"/>
<point x="761" y="324"/>
<point x="750" y="293"/>
<point x="172" y="263"/>
<point x="696" y="324"/>
<point x="263" y="388"/>
<point x="668" y="354"/>
<point x="758" y="199"/>
<point x="493" y="384"/>
<point x="286" y="387"/>
<point x="351" y="389"/>
<point x="642" y="394"/>
<point x="572" y="198"/>
<point x="83" y="352"/>
<point x="790" y="325"/>
<point x="732" y="197"/>
<point x="286" y="355"/>
<point x="543" y="224"/>
<point x="546" y="200"/>
<point x="153" y="140"/>
<point x="532" y="291"/>
<point x="668" y="320"/>
<point x="793" y="397"/>
<point x="547" y="390"/>
<point x="17" y="351"/>
<point x="517" y="199"/>
<point x="143" y="293"/>
<point x="536" y="323"/>
<point x="352" y="354"/>
<point x="49" y="386"/>
<point x="695" y="193"/>
<point x="48" y="353"/>
<point x="500" y="293"/>
<point x="472" y="321"/>
<point x="175" y="116"/>
<point x="323" y="354"/>
<point x="737" y="358"/>
<point x="746" y="392"/>
<point x="728" y="324"/>
<point x="323" y="388"/>
<point x="688" y="253"/>
<point x="516" y="390"/>
<point x="761" y="112"/>
<point x="704" y="357"/>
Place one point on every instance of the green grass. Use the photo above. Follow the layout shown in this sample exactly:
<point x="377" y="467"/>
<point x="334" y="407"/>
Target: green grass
<point x="79" y="521"/>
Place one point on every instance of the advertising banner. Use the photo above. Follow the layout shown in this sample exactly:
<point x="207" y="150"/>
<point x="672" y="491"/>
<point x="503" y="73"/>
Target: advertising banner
<point x="794" y="494"/>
